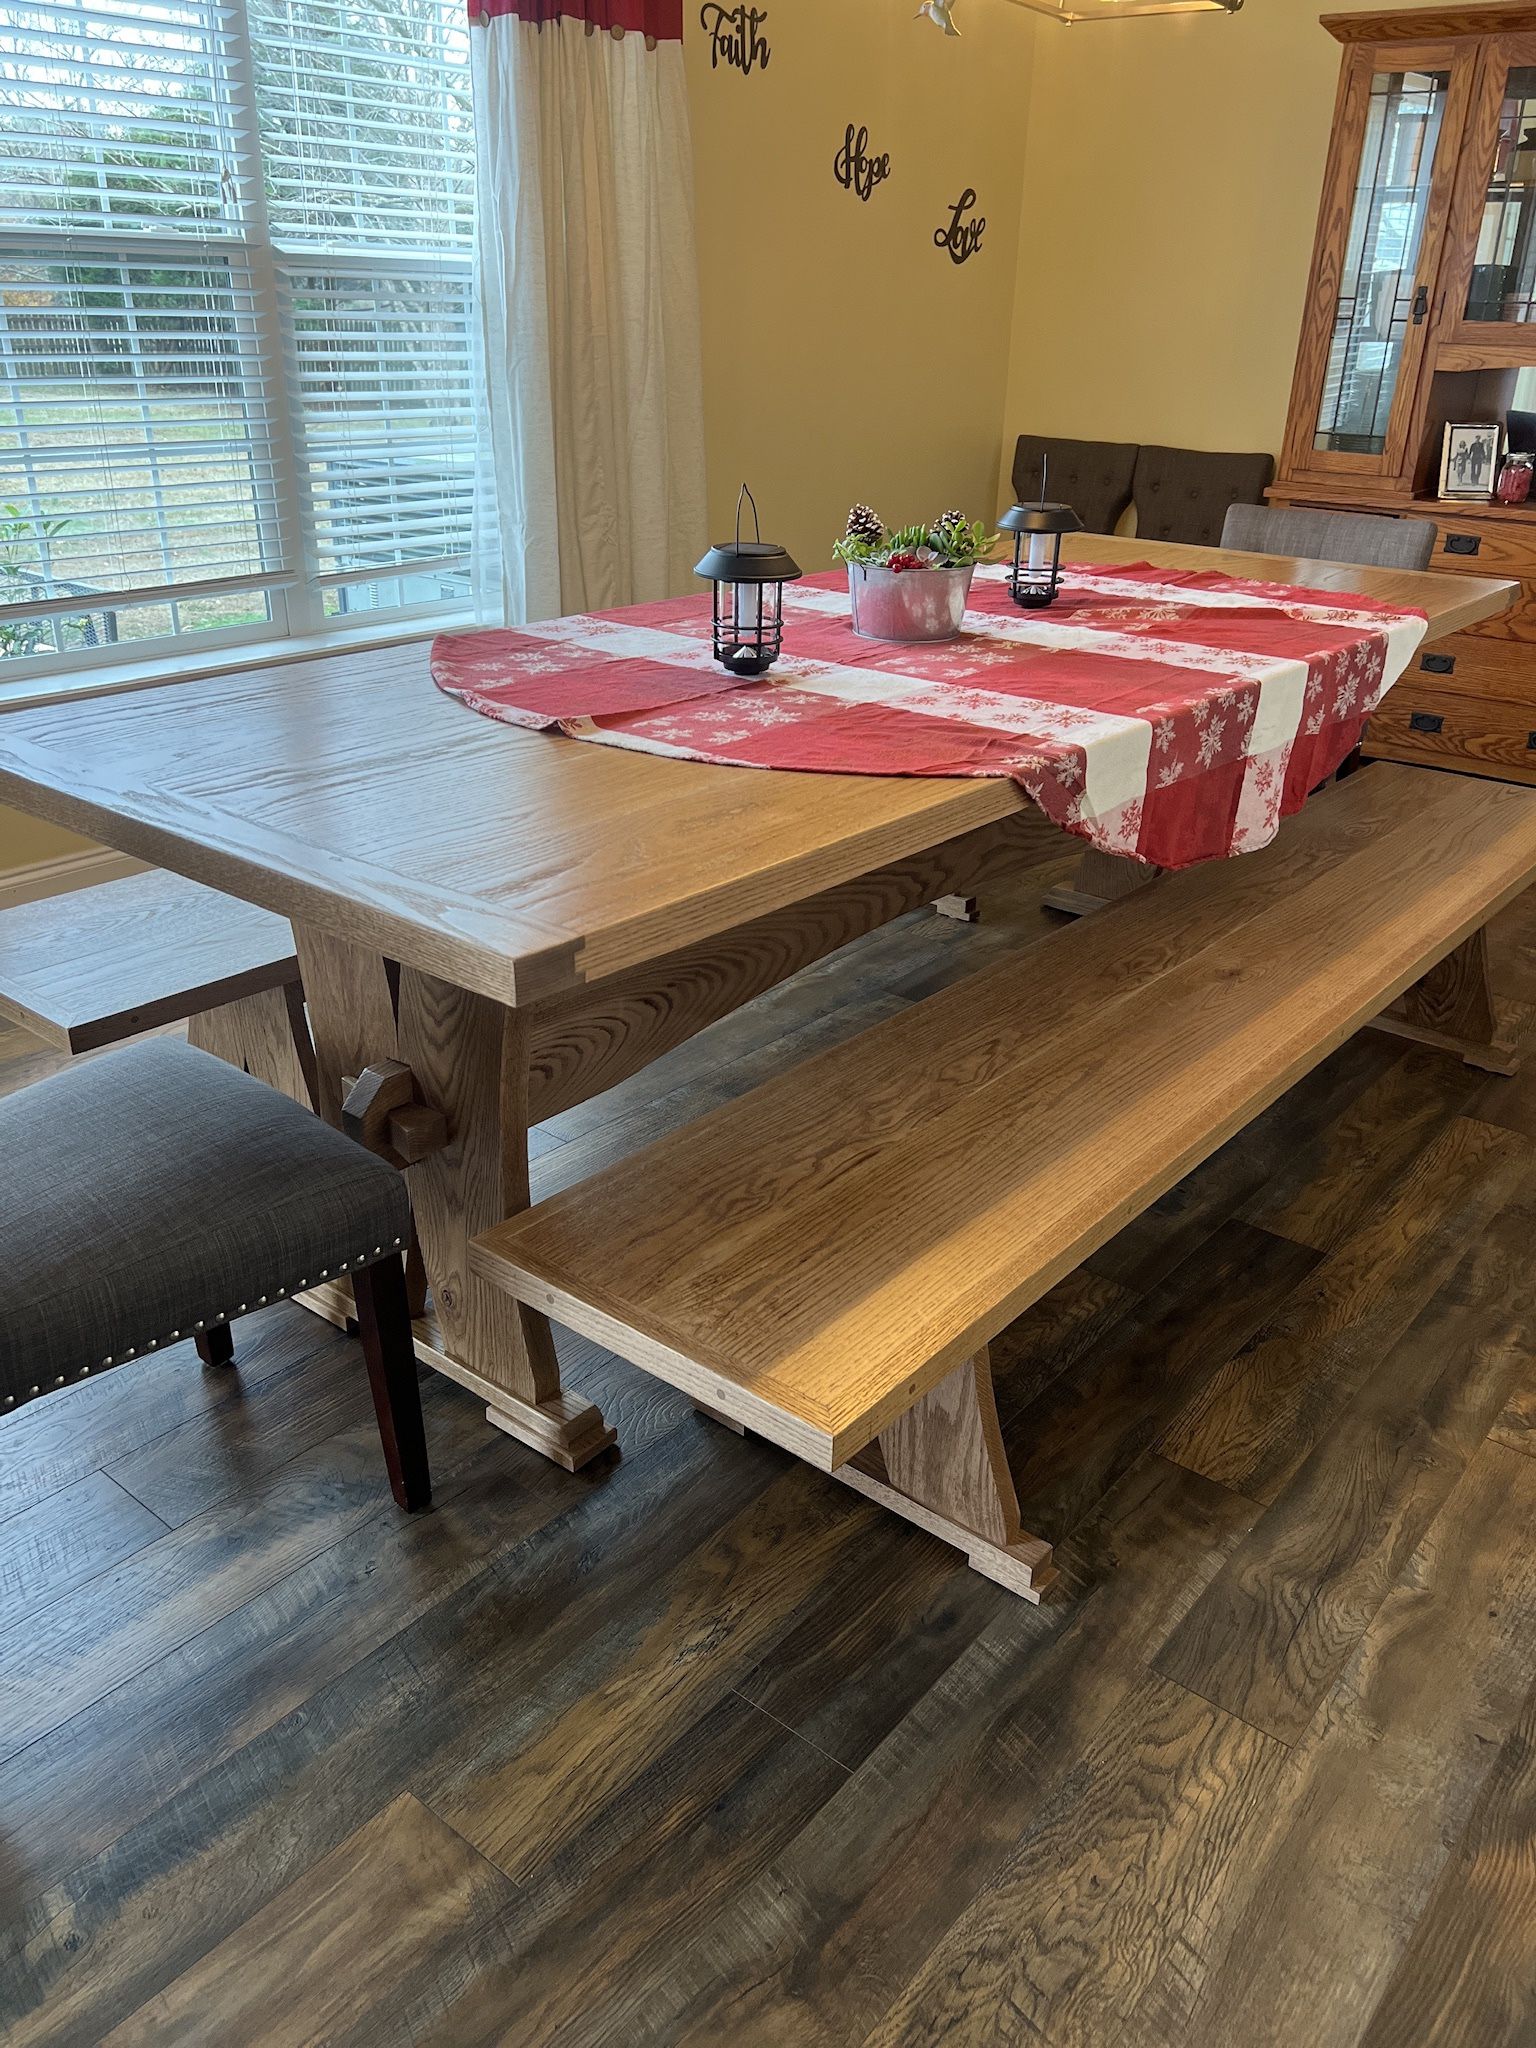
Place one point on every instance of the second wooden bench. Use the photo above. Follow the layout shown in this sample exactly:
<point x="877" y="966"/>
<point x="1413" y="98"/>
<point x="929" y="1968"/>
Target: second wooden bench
<point x="825" y="1261"/>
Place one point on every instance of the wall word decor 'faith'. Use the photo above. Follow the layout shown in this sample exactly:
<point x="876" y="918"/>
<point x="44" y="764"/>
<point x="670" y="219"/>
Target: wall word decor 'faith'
<point x="736" y="36"/>
<point x="962" y="237"/>
<point x="855" y="169"/>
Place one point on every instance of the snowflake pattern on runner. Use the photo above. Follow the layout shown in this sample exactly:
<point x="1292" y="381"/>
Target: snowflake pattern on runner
<point x="1172" y="714"/>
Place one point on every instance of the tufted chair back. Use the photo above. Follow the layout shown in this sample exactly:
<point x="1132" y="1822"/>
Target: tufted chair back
<point x="1183" y="493"/>
<point x="1093" y="477"/>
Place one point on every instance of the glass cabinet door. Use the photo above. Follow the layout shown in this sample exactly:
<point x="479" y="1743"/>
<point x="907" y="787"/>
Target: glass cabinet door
<point x="1380" y="299"/>
<point x="1387" y="192"/>
<point x="1498" y="205"/>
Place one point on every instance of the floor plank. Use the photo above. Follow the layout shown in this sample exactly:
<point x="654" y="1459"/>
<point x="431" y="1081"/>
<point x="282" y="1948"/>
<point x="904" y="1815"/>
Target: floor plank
<point x="1271" y="1632"/>
<point x="818" y="1947"/>
<point x="1300" y="1943"/>
<point x="1468" y="1976"/>
<point x="65" y="1540"/>
<point x="1258" y="1419"/>
<point x="336" y="1946"/>
<point x="1117" y="1402"/>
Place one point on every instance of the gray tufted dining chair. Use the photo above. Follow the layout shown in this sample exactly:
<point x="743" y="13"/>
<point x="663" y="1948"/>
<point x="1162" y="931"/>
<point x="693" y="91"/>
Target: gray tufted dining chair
<point x="156" y="1193"/>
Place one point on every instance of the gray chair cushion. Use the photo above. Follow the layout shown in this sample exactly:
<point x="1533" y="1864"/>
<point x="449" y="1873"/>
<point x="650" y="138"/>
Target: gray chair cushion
<point x="1183" y="493"/>
<point x="156" y="1188"/>
<point x="1364" y="537"/>
<point x="1093" y="477"/>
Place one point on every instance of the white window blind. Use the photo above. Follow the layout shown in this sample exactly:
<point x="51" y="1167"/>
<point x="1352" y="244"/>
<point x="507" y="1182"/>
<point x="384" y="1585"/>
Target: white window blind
<point x="235" y="390"/>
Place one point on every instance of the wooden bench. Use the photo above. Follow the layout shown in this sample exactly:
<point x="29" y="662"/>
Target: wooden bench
<point x="99" y="965"/>
<point x="825" y="1260"/>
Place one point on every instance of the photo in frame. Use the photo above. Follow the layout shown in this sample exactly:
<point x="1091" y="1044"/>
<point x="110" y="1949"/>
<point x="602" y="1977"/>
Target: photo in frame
<point x="1469" y="459"/>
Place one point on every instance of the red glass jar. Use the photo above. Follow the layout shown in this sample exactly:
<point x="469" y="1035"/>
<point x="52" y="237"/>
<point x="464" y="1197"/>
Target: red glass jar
<point x="1514" y="485"/>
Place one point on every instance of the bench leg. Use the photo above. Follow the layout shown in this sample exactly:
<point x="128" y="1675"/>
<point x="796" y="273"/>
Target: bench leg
<point x="1452" y="1007"/>
<point x="942" y="1466"/>
<point x="1100" y="878"/>
<point x="964" y="909"/>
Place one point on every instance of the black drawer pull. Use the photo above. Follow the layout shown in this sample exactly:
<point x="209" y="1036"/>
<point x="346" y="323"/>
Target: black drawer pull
<point x="1425" y="721"/>
<point x="1530" y="742"/>
<point x="1438" y="664"/>
<point x="1463" y="543"/>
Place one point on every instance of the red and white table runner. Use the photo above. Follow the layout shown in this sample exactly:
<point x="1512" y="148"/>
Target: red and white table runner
<point x="1176" y="715"/>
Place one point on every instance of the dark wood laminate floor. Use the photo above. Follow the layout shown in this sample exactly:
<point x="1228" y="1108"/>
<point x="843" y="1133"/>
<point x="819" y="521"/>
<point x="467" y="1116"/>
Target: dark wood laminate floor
<point x="698" y="1747"/>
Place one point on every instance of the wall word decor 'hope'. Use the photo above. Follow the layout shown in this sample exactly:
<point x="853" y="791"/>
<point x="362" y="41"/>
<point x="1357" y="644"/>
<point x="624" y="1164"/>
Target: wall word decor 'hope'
<point x="962" y="237"/>
<point x="855" y="169"/>
<point x="736" y="36"/>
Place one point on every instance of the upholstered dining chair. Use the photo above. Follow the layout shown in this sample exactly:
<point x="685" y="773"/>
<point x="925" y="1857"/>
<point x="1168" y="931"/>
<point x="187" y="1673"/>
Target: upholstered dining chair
<point x="1182" y="494"/>
<point x="156" y="1193"/>
<point x="1093" y="477"/>
<point x="1375" y="541"/>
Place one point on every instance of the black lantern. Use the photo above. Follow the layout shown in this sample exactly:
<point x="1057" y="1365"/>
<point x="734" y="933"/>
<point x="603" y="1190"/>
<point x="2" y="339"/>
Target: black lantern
<point x="1037" y="532"/>
<point x="749" y="578"/>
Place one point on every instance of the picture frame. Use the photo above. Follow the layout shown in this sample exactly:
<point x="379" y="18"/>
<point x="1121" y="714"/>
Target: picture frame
<point x="1470" y="453"/>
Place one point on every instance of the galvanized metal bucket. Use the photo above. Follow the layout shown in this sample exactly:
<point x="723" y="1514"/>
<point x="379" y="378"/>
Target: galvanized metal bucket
<point x="908" y="604"/>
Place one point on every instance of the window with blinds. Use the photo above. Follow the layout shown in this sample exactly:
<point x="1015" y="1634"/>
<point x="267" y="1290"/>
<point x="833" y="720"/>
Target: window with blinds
<point x="235" y="393"/>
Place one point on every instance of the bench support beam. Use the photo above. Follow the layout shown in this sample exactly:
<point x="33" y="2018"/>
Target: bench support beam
<point x="1452" y="1007"/>
<point x="942" y="1466"/>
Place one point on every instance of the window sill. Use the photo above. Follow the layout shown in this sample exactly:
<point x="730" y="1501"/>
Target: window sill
<point x="189" y="667"/>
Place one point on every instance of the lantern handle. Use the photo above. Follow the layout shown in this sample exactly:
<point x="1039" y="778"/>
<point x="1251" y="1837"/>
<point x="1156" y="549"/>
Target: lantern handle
<point x="757" y="531"/>
<point x="1045" y="470"/>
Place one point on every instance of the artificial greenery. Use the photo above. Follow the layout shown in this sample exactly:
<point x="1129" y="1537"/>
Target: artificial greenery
<point x="951" y="542"/>
<point x="23" y="536"/>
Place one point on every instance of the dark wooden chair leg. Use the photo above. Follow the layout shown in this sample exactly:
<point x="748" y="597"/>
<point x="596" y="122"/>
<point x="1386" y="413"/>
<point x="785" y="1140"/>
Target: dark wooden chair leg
<point x="384" y="1323"/>
<point x="216" y="1344"/>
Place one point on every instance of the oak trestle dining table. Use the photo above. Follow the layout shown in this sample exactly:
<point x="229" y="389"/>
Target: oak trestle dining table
<point x="524" y="920"/>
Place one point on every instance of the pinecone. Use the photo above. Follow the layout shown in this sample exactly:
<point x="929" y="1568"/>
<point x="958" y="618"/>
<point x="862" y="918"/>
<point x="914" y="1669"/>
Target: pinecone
<point x="948" y="521"/>
<point x="864" y="523"/>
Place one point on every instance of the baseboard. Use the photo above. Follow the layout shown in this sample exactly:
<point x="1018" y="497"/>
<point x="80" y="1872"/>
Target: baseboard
<point x="70" y="871"/>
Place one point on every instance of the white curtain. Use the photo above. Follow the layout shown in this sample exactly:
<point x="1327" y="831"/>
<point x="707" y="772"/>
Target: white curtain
<point x="589" y="319"/>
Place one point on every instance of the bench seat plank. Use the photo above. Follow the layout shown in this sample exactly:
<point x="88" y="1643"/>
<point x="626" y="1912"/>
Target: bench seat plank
<point x="96" y="965"/>
<point x="811" y="1259"/>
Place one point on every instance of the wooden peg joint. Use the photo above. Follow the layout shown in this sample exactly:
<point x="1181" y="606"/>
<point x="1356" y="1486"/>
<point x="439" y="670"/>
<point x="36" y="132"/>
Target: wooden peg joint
<point x="381" y="1111"/>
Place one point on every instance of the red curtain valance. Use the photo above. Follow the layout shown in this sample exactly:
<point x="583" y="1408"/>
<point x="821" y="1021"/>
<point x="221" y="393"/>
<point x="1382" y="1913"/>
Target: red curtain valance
<point x="662" y="19"/>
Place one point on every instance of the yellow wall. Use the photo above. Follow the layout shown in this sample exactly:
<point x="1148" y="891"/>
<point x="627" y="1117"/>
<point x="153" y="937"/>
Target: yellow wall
<point x="1172" y="176"/>
<point x="25" y="840"/>
<point x="845" y="356"/>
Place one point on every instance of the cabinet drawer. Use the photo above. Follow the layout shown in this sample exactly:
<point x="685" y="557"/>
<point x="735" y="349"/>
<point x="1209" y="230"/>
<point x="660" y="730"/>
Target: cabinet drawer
<point x="1485" y="547"/>
<point x="1484" y="736"/>
<point x="1471" y="664"/>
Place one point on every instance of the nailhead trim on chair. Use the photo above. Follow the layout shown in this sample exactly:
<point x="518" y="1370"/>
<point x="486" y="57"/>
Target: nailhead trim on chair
<point x="210" y="1322"/>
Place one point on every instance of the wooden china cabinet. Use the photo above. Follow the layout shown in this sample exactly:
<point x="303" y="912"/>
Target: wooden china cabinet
<point x="1421" y="309"/>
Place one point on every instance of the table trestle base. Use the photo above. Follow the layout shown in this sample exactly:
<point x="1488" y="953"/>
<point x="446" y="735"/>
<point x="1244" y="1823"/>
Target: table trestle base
<point x="564" y="1428"/>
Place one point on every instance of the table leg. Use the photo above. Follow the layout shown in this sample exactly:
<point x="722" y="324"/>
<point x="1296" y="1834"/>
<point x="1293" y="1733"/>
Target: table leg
<point x="267" y="1035"/>
<point x="1100" y="878"/>
<point x="469" y="1057"/>
<point x="942" y="1465"/>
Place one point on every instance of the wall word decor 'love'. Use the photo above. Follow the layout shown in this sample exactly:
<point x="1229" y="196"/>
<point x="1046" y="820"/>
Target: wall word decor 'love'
<point x="736" y="36"/>
<point x="853" y="166"/>
<point x="962" y="237"/>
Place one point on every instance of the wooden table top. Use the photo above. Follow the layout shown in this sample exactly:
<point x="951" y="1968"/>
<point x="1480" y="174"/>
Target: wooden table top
<point x="347" y="792"/>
